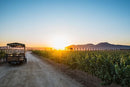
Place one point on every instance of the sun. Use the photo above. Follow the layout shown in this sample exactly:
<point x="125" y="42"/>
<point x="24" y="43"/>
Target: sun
<point x="59" y="43"/>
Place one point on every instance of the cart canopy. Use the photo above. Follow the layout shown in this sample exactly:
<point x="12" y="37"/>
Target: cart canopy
<point x="16" y="45"/>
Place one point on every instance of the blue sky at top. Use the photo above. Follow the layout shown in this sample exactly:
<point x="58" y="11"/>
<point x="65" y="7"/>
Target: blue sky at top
<point x="36" y="22"/>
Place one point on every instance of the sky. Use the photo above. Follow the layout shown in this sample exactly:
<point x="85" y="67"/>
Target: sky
<point x="45" y="22"/>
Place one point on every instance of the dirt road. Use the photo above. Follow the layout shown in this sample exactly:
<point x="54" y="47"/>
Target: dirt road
<point x="35" y="73"/>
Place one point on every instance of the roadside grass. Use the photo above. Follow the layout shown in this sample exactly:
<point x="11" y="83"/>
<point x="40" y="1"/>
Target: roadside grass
<point x="2" y="56"/>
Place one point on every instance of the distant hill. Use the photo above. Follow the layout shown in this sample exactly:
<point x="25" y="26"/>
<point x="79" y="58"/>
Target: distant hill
<point x="102" y="46"/>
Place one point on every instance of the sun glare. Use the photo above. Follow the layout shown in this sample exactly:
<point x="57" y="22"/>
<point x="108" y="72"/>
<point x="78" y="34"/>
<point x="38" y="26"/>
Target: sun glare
<point x="59" y="43"/>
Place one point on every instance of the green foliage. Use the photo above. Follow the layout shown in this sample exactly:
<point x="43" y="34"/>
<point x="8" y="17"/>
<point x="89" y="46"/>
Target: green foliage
<point x="2" y="54"/>
<point x="109" y="66"/>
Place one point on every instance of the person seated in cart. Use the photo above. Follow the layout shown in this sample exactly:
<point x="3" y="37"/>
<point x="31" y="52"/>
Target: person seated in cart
<point x="15" y="53"/>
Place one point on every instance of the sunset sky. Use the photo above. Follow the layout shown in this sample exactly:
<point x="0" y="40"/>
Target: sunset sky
<point x="49" y="22"/>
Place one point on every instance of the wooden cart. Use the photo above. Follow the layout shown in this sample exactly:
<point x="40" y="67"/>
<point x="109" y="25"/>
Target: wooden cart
<point x="16" y="53"/>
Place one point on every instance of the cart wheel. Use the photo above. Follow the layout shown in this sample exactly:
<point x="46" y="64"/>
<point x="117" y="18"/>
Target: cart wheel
<point x="25" y="59"/>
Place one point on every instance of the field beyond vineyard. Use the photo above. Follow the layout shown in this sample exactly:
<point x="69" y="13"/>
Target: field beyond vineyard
<point x="109" y="66"/>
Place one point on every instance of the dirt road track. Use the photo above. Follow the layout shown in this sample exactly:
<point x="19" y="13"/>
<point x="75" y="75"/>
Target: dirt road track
<point x="35" y="73"/>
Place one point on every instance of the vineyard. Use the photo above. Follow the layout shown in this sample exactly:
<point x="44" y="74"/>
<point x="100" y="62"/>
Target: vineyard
<point x="109" y="66"/>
